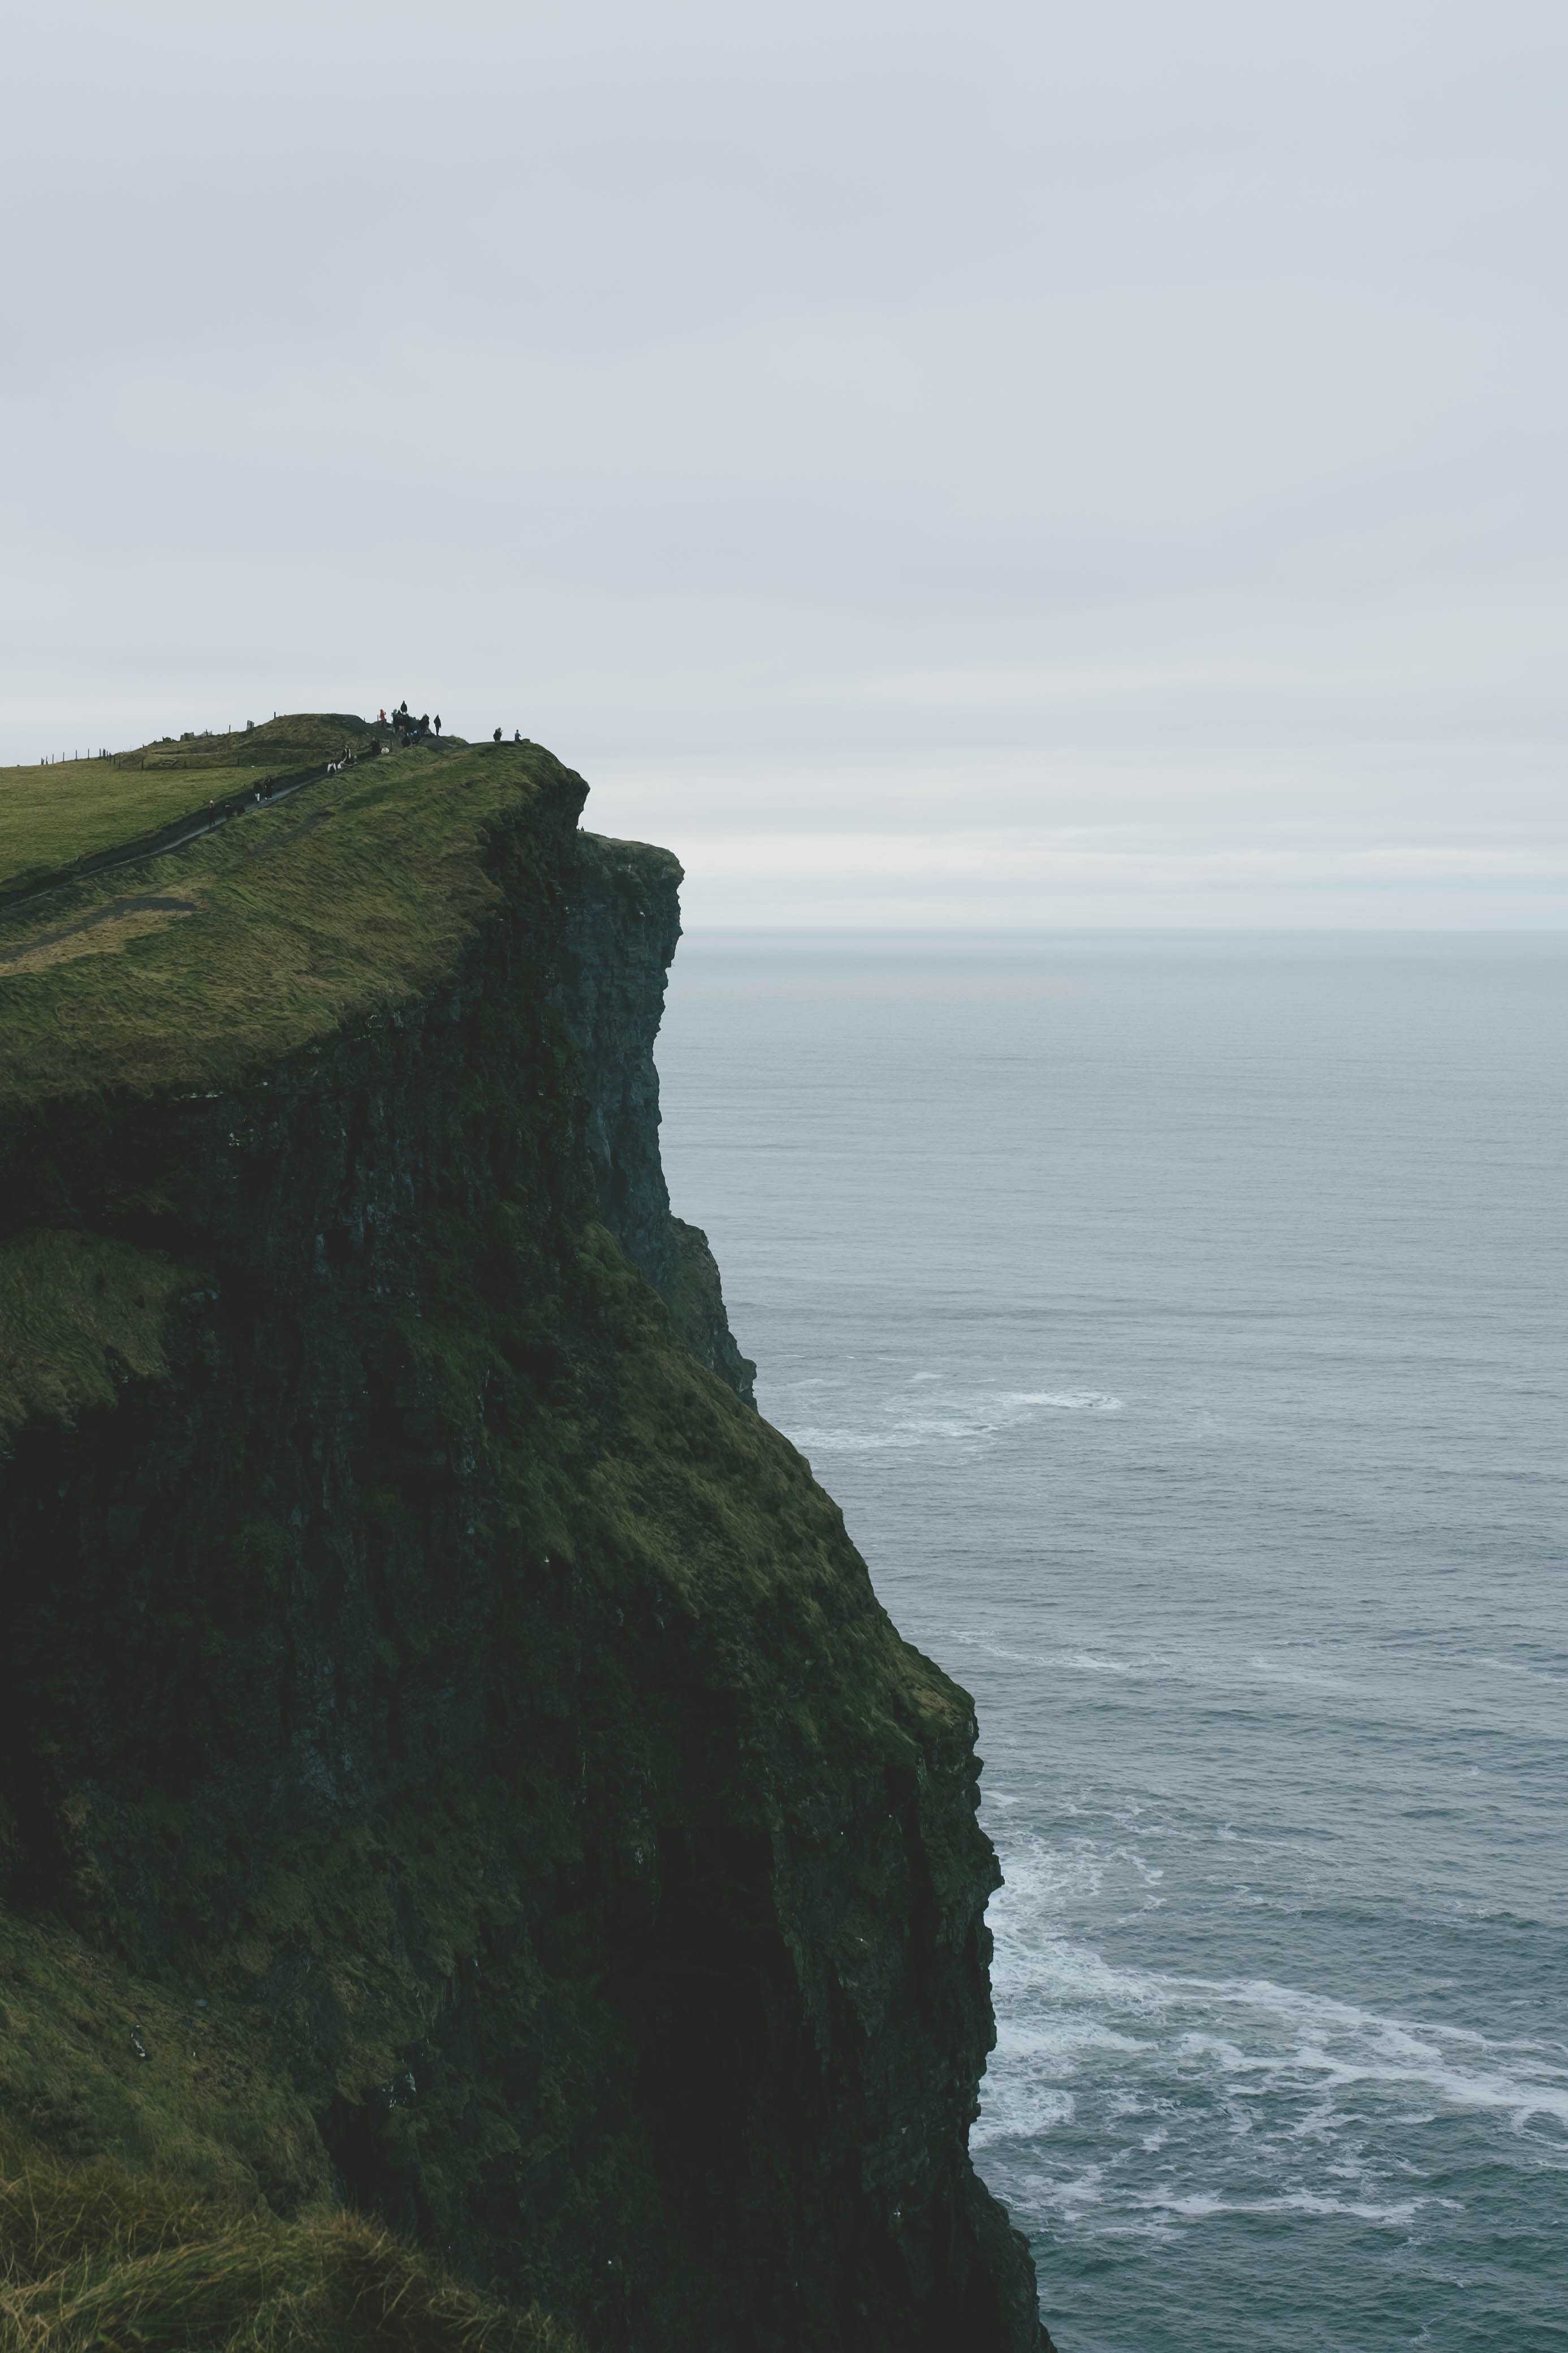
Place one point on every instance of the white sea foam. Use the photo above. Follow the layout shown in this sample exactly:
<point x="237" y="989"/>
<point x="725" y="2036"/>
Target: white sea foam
<point x="1062" y="2040"/>
<point x="1324" y="2067"/>
<point x="1296" y="2045"/>
<point x="1050" y="2107"/>
<point x="910" y="1432"/>
<point x="965" y="1418"/>
<point x="903" y="1435"/>
<point x="1066" y="1400"/>
<point x="1518" y="1667"/>
<point x="1083" y="1663"/>
<point x="1070" y="2196"/>
<point x="1202" y="2205"/>
<point x="1131" y="2104"/>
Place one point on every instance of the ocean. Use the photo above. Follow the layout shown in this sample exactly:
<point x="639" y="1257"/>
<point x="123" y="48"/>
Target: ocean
<point x="1180" y="1321"/>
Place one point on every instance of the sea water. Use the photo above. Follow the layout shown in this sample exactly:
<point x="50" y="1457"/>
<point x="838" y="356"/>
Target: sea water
<point x="1180" y="1322"/>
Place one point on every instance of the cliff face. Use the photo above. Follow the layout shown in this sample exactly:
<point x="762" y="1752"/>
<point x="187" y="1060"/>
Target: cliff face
<point x="622" y="922"/>
<point x="441" y="1725"/>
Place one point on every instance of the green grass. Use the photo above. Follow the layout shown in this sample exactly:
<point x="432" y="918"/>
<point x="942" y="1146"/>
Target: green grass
<point x="207" y="2108"/>
<point x="353" y="898"/>
<point x="95" y="2257"/>
<point x="140" y="2198"/>
<point x="74" y="1309"/>
<point x="74" y="808"/>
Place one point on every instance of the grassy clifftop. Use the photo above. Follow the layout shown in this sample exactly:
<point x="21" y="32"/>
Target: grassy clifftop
<point x="187" y="970"/>
<point x="74" y="808"/>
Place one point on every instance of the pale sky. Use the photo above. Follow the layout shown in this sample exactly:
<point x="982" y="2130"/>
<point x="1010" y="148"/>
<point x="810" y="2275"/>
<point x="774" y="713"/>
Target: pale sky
<point x="971" y="463"/>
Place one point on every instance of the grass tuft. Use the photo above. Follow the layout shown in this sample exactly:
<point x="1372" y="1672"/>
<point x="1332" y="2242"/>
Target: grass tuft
<point x="98" y="2257"/>
<point x="53" y="2216"/>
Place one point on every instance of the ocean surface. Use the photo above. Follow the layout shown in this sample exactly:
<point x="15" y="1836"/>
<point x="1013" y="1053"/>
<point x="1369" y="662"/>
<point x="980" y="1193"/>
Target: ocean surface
<point x="1180" y="1321"/>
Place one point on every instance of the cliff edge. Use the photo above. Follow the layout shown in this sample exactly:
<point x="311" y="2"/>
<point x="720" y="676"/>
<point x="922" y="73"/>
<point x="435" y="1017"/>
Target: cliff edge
<point x="454" y="1770"/>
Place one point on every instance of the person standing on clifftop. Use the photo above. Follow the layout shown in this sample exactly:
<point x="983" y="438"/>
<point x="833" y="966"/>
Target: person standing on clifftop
<point x="438" y="723"/>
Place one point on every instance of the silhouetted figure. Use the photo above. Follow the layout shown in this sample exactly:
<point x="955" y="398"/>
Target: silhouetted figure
<point x="497" y="737"/>
<point x="517" y="735"/>
<point x="438" y="723"/>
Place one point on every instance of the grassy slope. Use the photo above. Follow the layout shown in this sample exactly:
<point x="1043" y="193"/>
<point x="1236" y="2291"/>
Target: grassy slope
<point x="73" y="809"/>
<point x="95" y="2257"/>
<point x="349" y="899"/>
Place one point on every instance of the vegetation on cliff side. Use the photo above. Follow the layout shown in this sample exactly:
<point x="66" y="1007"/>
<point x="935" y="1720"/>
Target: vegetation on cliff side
<point x="79" y="1313"/>
<point x="96" y="2257"/>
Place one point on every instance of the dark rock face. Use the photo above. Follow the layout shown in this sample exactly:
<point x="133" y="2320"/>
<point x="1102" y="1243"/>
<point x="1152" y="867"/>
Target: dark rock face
<point x="450" y="1679"/>
<point x="621" y="936"/>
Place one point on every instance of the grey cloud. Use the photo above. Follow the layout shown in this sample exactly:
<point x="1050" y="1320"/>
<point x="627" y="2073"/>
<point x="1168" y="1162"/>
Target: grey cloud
<point x="754" y="404"/>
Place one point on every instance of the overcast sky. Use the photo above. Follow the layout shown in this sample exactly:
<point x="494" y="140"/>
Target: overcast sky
<point x="971" y="463"/>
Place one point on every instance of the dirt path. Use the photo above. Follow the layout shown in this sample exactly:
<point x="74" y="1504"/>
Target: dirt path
<point x="176" y="835"/>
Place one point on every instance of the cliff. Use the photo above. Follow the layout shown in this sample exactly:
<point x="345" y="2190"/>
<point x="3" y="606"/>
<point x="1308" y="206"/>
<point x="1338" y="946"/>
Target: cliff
<point x="453" y="1765"/>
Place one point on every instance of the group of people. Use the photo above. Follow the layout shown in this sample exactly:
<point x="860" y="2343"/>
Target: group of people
<point x="409" y="730"/>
